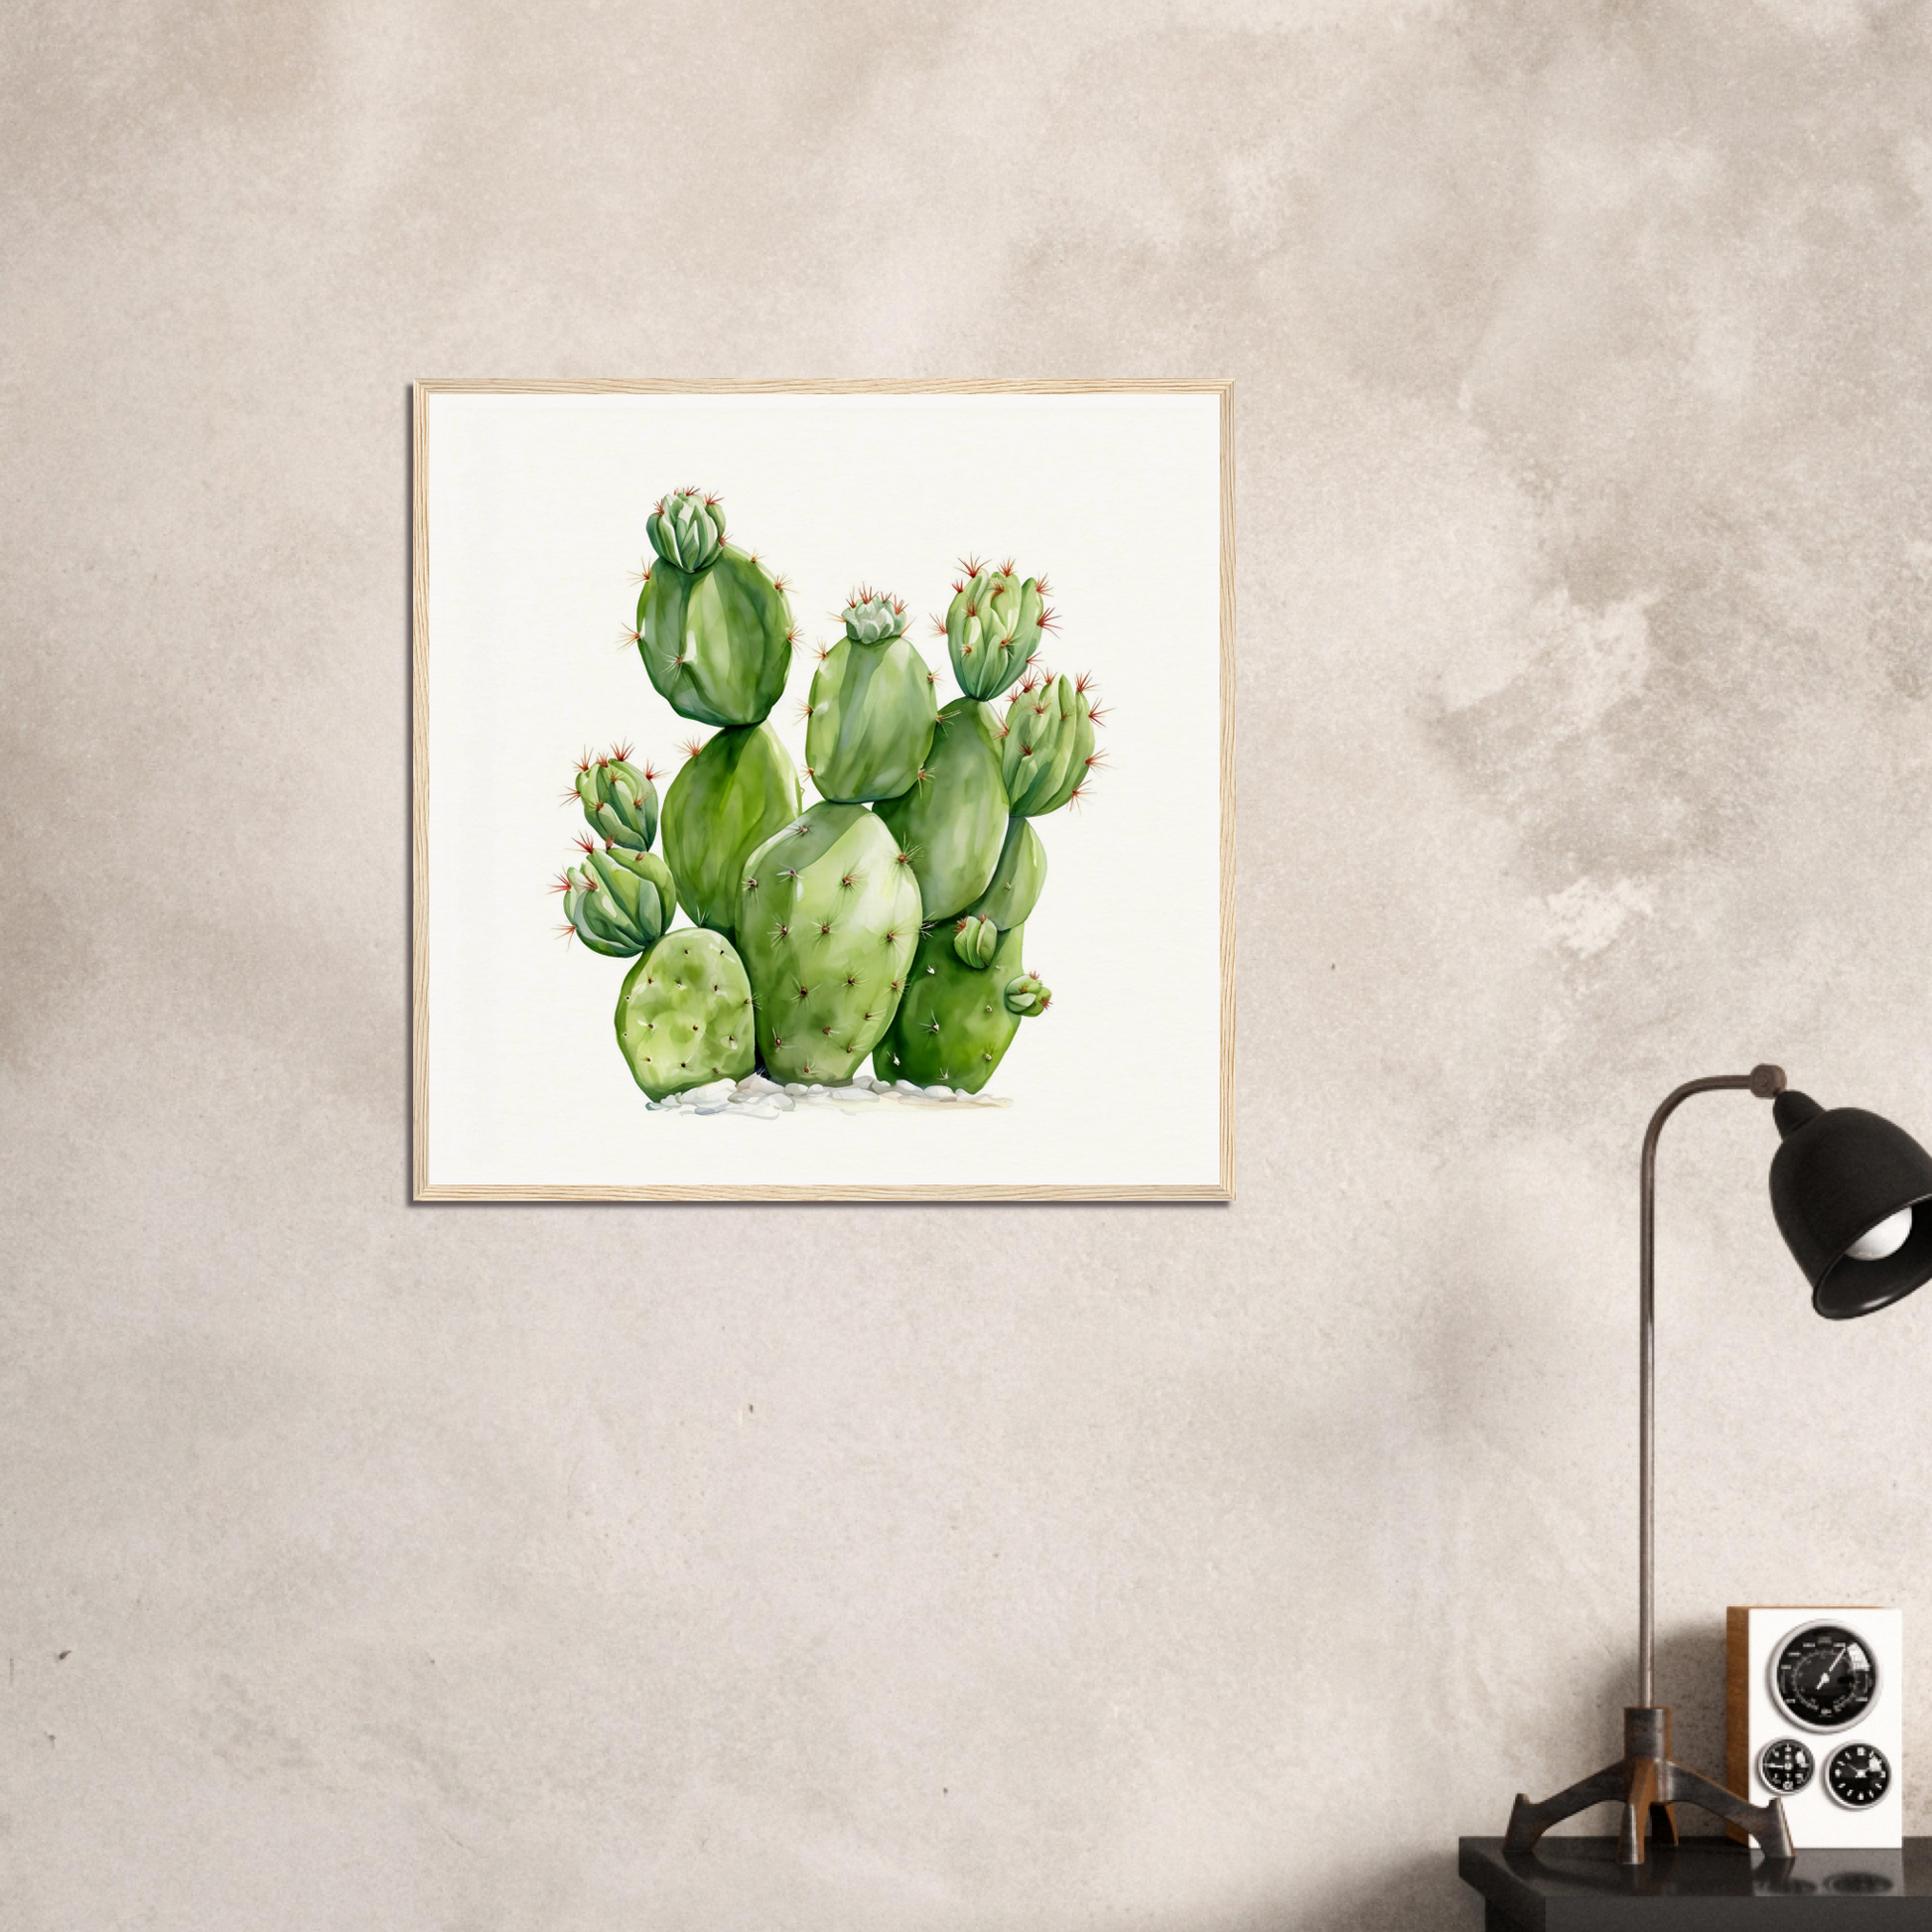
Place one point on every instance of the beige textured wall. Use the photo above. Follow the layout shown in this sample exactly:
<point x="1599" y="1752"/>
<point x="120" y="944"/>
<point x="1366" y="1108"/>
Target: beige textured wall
<point x="499" y="1571"/>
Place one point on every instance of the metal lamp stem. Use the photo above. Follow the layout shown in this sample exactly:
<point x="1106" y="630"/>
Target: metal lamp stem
<point x="1766" y="1082"/>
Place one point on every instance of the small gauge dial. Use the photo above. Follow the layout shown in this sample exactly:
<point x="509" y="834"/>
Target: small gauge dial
<point x="1785" y="1767"/>
<point x="1825" y="1678"/>
<point x="1858" y="1775"/>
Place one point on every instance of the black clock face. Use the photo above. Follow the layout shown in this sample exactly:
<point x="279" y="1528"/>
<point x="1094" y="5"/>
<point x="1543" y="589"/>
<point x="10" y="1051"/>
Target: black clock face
<point x="1825" y="1678"/>
<point x="1785" y="1767"/>
<point x="1858" y="1775"/>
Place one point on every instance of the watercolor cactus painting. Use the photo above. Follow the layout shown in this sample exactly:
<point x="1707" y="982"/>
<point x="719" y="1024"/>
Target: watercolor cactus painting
<point x="841" y="838"/>
<point x="871" y="945"/>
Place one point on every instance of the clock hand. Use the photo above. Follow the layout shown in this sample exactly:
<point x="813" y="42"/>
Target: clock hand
<point x="1831" y="1667"/>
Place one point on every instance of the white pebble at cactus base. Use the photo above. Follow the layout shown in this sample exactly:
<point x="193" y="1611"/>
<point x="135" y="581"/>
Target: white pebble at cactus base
<point x="757" y="1098"/>
<point x="863" y="954"/>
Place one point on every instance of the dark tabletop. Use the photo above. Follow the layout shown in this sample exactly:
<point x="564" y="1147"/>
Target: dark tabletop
<point x="1705" y="1885"/>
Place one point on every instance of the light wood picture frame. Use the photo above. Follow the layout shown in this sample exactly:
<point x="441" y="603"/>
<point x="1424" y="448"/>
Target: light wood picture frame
<point x="530" y="504"/>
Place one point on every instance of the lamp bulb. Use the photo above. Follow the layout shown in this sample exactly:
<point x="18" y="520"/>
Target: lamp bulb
<point x="1875" y="1244"/>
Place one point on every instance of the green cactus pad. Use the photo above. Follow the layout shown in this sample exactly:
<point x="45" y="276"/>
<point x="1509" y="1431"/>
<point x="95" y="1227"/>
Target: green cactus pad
<point x="619" y="901"/>
<point x="724" y="803"/>
<point x="992" y="627"/>
<point x="1014" y="890"/>
<point x="684" y="1016"/>
<point x="687" y="528"/>
<point x="620" y="798"/>
<point x="716" y="642"/>
<point x="956" y="1021"/>
<point x="828" y="920"/>
<point x="953" y="819"/>
<point x="871" y="720"/>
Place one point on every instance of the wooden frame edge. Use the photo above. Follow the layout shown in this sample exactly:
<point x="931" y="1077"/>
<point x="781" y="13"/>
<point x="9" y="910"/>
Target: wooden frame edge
<point x="453" y="1190"/>
<point x="811" y="385"/>
<point x="419" y="794"/>
<point x="1227" y="790"/>
<point x="423" y="387"/>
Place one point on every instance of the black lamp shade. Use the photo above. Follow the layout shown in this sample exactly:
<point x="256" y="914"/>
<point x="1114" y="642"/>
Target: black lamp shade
<point x="1838" y="1174"/>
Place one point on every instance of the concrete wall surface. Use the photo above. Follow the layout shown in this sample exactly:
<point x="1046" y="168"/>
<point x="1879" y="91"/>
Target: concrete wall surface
<point x="954" y="1570"/>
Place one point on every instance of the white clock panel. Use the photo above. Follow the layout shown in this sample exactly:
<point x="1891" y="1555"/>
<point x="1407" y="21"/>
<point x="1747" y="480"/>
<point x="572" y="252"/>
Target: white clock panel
<point x="1815" y="1717"/>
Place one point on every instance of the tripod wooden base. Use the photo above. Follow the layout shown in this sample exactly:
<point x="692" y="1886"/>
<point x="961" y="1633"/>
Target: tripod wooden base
<point x="1646" y="1783"/>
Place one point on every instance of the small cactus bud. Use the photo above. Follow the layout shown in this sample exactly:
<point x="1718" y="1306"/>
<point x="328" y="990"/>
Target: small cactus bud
<point x="993" y="627"/>
<point x="976" y="940"/>
<point x="1049" y="743"/>
<point x="619" y="900"/>
<point x="620" y="798"/>
<point x="687" y="529"/>
<point x="1028" y="996"/>
<point x="873" y="618"/>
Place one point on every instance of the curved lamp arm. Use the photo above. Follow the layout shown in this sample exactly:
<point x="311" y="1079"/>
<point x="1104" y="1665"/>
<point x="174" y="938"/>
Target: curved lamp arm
<point x="1766" y="1082"/>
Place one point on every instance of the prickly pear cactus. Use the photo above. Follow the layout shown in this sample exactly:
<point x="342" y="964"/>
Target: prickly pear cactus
<point x="620" y="800"/>
<point x="994" y="625"/>
<point x="957" y="1019"/>
<point x="870" y="715"/>
<point x="730" y="796"/>
<point x="1015" y="888"/>
<point x="714" y="626"/>
<point x="826" y="935"/>
<point x="684" y="1016"/>
<point x="617" y="902"/>
<point x="953" y="818"/>
<point x="828" y="920"/>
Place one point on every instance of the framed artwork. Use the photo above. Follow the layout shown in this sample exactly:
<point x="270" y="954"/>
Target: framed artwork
<point x="875" y="744"/>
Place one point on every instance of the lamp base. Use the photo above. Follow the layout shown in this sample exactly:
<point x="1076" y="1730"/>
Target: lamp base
<point x="1646" y="1783"/>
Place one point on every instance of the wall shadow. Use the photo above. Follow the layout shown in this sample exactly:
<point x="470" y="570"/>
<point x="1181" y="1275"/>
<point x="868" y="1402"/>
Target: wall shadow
<point x="1416" y="1893"/>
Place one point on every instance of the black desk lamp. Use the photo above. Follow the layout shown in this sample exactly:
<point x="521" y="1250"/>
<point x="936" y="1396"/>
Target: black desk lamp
<point x="1847" y="1189"/>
